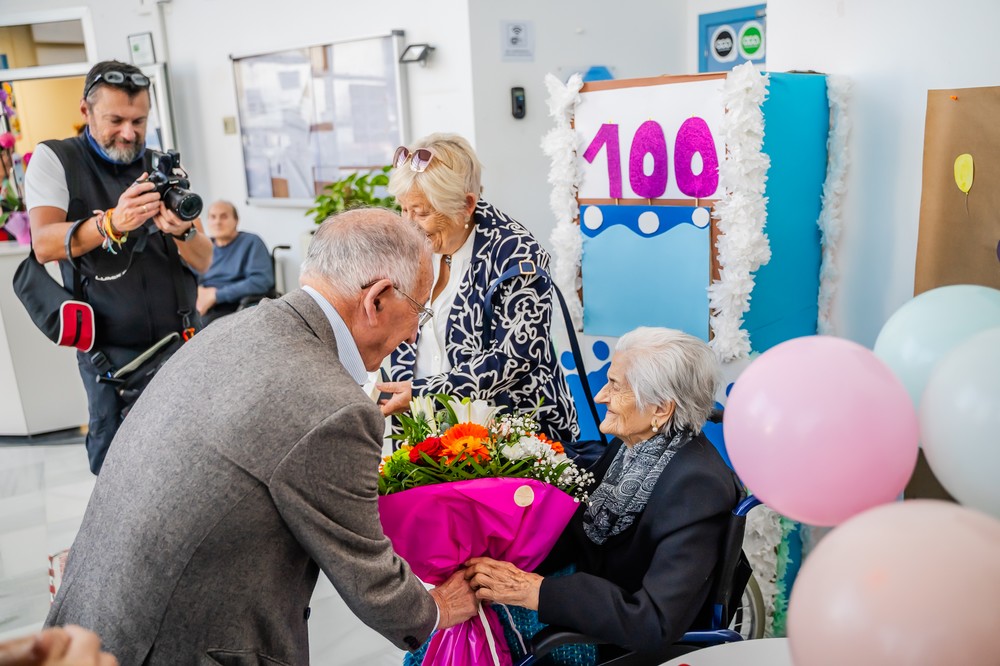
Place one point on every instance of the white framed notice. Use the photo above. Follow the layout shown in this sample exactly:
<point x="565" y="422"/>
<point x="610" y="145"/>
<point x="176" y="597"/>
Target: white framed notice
<point x="140" y="49"/>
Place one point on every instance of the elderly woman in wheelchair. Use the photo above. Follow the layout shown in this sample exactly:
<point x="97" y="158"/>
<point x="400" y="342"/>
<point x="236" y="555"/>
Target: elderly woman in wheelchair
<point x="647" y="545"/>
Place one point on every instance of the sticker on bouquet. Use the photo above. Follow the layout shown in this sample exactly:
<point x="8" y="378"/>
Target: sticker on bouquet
<point x="489" y="486"/>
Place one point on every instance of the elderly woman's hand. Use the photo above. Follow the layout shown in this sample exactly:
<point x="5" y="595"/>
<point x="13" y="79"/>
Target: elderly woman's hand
<point x="503" y="582"/>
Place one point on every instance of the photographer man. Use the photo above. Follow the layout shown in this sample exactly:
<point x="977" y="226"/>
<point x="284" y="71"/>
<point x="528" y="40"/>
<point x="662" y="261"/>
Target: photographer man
<point x="135" y="254"/>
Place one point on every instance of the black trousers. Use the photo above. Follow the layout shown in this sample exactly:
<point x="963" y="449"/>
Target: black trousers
<point x="105" y="409"/>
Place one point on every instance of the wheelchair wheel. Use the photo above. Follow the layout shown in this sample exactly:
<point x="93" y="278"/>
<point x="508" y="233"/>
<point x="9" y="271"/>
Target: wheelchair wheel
<point x="748" y="620"/>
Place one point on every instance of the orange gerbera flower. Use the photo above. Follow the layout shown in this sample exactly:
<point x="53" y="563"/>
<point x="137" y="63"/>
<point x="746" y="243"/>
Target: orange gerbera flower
<point x="466" y="438"/>
<point x="556" y="446"/>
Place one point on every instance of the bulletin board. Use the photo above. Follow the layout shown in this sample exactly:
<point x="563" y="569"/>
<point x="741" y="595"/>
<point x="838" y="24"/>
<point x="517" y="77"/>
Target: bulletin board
<point x="959" y="238"/>
<point x="312" y="115"/>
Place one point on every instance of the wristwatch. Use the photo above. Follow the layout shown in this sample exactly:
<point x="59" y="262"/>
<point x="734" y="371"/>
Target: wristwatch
<point x="187" y="235"/>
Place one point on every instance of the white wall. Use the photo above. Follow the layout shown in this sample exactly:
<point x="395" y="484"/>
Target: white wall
<point x="569" y="34"/>
<point x="202" y="34"/>
<point x="893" y="51"/>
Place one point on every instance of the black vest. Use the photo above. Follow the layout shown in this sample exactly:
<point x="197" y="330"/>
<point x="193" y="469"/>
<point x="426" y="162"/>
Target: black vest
<point x="139" y="307"/>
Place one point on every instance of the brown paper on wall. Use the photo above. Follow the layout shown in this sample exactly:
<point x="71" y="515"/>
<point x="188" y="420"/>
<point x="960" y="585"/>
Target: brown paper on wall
<point x="955" y="247"/>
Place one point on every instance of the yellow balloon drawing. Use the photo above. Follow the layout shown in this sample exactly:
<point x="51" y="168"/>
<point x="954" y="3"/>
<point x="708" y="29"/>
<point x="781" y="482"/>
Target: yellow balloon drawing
<point x="963" y="172"/>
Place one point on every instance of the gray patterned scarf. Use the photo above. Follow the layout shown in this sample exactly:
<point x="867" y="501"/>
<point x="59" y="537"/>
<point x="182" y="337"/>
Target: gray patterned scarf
<point x="628" y="484"/>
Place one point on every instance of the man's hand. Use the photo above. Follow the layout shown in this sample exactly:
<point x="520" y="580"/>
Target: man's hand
<point x="197" y="251"/>
<point x="400" y="400"/>
<point x="137" y="204"/>
<point x="168" y="221"/>
<point x="206" y="299"/>
<point x="56" y="646"/>
<point x="503" y="582"/>
<point x="455" y="601"/>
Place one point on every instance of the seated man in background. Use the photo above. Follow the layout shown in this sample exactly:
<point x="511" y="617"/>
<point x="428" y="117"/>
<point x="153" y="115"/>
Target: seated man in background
<point x="240" y="266"/>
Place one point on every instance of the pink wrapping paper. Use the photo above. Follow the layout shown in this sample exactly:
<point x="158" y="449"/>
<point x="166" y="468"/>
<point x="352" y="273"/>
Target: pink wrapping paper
<point x="437" y="528"/>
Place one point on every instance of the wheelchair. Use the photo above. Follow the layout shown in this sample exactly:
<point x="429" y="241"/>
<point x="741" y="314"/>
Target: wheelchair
<point x="731" y="622"/>
<point x="254" y="299"/>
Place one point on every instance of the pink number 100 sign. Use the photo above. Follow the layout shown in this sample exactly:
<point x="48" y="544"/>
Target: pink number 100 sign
<point x="694" y="137"/>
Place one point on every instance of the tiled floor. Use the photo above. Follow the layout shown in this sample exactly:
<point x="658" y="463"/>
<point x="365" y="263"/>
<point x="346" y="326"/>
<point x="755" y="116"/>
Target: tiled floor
<point x="44" y="488"/>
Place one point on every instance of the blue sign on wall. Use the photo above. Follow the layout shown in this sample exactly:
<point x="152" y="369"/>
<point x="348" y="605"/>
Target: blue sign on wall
<point x="732" y="37"/>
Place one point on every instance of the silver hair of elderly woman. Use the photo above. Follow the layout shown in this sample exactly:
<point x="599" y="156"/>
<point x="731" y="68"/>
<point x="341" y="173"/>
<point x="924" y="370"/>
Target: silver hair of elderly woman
<point x="666" y="365"/>
<point x="445" y="189"/>
<point x="359" y="246"/>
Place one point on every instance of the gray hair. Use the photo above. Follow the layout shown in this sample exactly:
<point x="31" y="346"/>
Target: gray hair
<point x="359" y="246"/>
<point x="666" y="365"/>
<point x="454" y="172"/>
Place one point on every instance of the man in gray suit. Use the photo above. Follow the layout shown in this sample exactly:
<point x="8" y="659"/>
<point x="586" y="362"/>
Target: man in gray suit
<point x="250" y="462"/>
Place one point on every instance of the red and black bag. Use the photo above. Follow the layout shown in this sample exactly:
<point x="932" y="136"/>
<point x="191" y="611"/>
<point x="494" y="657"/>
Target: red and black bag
<point x="63" y="316"/>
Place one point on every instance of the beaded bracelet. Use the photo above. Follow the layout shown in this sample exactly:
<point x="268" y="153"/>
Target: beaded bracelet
<point x="112" y="235"/>
<point x="99" y="223"/>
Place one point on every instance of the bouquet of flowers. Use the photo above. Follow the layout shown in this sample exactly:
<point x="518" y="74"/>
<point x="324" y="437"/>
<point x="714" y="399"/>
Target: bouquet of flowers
<point x="469" y="482"/>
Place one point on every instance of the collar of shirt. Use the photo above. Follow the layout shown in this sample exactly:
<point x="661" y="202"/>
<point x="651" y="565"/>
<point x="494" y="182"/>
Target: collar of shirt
<point x="347" y="349"/>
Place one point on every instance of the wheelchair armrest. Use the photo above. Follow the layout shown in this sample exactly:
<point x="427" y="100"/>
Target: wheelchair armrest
<point x="715" y="637"/>
<point x="551" y="637"/>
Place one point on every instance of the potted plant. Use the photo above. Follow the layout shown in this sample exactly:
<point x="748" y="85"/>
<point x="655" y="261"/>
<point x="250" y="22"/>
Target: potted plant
<point x="354" y="191"/>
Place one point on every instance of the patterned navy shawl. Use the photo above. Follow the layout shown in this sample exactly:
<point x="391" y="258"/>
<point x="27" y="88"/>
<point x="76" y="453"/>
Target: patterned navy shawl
<point x="628" y="485"/>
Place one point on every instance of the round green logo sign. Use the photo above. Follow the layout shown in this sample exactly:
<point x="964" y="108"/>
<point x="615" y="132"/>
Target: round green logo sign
<point x="751" y="41"/>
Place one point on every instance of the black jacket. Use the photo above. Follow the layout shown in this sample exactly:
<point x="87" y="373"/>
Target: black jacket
<point x="643" y="588"/>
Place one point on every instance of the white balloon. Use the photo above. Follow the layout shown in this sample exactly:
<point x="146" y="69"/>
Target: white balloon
<point x="960" y="422"/>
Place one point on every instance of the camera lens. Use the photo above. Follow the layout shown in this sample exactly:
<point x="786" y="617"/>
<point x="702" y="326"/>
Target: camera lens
<point x="185" y="203"/>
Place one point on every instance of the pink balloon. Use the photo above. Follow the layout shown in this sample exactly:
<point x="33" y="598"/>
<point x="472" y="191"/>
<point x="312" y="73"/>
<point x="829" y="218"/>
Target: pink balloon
<point x="820" y="429"/>
<point x="912" y="583"/>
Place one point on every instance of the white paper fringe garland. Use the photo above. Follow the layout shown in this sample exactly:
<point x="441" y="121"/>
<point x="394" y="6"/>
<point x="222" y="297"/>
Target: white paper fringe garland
<point x="741" y="211"/>
<point x="761" y="540"/>
<point x="560" y="144"/>
<point x="830" y="222"/>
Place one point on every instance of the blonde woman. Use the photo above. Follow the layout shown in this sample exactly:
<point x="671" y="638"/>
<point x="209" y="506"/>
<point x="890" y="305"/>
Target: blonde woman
<point x="437" y="183"/>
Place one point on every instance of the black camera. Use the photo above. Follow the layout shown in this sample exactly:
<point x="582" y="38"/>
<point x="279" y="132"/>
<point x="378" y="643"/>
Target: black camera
<point x="172" y="183"/>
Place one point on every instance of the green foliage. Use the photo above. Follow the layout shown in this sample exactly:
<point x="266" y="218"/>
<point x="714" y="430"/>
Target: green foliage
<point x="357" y="190"/>
<point x="9" y="201"/>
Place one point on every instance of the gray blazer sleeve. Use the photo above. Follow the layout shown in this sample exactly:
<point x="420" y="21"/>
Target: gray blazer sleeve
<point x="326" y="491"/>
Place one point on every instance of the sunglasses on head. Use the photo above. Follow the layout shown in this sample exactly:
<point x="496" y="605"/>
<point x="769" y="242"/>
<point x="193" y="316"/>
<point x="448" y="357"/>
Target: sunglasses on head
<point x="419" y="159"/>
<point x="117" y="78"/>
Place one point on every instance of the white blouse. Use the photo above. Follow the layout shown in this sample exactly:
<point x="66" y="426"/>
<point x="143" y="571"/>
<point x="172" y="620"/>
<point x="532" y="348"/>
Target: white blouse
<point x="431" y="357"/>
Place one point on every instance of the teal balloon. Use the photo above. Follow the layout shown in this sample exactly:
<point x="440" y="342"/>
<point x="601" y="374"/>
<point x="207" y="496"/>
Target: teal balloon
<point x="930" y="325"/>
<point x="960" y="422"/>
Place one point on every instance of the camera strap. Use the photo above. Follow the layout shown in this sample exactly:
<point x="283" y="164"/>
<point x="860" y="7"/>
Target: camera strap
<point x="184" y="305"/>
<point x="77" y="278"/>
